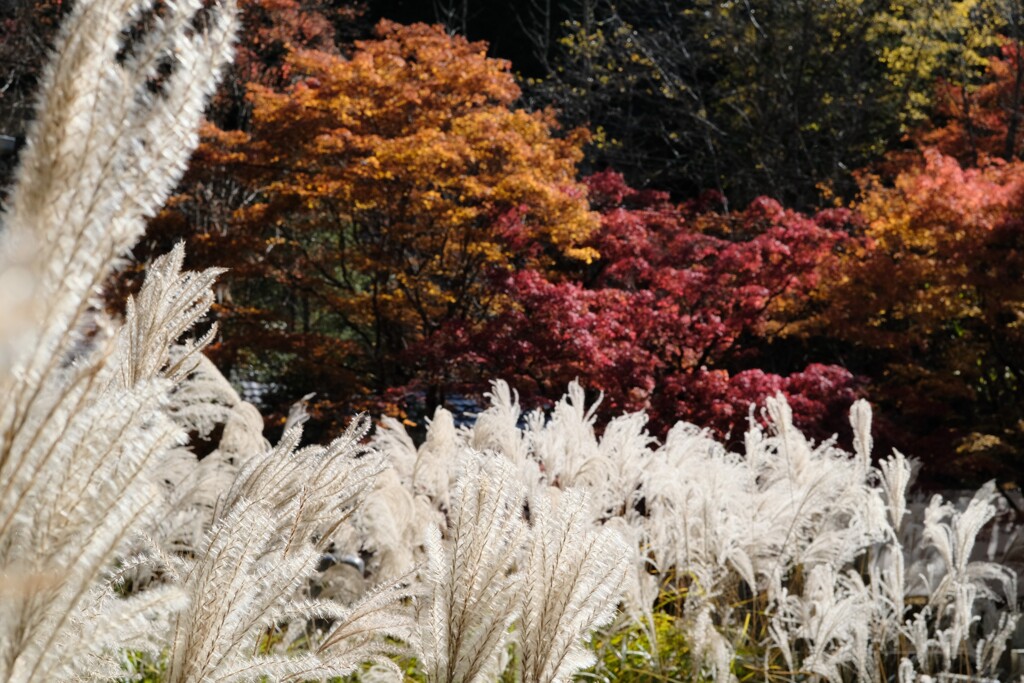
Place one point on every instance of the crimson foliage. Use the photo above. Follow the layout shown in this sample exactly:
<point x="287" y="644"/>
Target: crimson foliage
<point x="675" y="316"/>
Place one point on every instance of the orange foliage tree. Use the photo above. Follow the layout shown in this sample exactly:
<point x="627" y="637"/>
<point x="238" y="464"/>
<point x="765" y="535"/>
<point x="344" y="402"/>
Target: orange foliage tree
<point x="376" y="201"/>
<point x="985" y="122"/>
<point x="932" y="308"/>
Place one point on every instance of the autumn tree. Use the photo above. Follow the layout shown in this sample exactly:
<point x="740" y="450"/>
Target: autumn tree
<point x="209" y="195"/>
<point x="931" y="305"/>
<point x="676" y="317"/>
<point x="974" y="123"/>
<point x="273" y="30"/>
<point x="375" y="209"/>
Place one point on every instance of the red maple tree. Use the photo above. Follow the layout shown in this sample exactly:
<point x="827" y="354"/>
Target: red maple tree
<point x="674" y="316"/>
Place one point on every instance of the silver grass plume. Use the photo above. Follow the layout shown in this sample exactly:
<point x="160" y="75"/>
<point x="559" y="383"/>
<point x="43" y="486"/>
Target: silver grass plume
<point x="80" y="486"/>
<point x="83" y="424"/>
<point x="573" y="577"/>
<point x="113" y="135"/>
<point x="472" y="591"/>
<point x="569" y="571"/>
<point x="192" y="487"/>
<point x="247" y="580"/>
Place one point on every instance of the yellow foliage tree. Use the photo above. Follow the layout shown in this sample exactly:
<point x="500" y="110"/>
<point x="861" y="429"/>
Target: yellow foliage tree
<point x="921" y="40"/>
